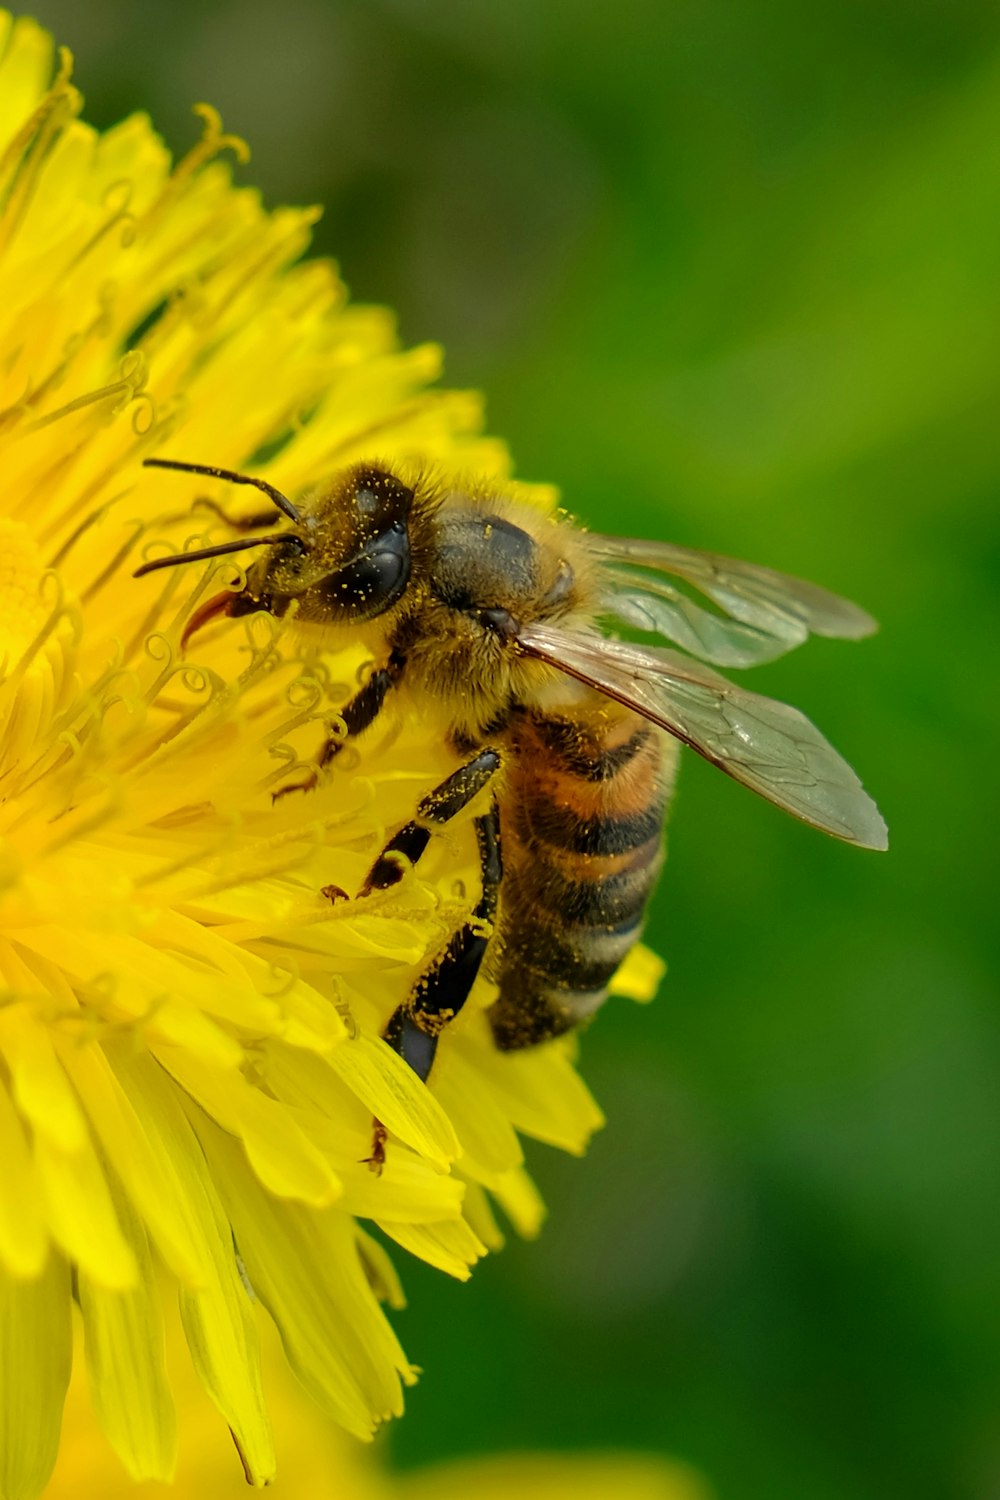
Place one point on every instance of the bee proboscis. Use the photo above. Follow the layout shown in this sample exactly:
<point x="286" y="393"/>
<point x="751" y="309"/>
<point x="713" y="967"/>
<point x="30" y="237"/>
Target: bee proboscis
<point x="565" y="739"/>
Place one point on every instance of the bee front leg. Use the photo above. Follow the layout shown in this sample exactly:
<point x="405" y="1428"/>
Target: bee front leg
<point x="361" y="712"/>
<point x="254" y="522"/>
<point x="443" y="988"/>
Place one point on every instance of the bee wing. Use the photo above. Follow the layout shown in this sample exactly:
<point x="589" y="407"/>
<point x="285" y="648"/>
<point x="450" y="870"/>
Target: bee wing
<point x="768" y="746"/>
<point x="769" y="613"/>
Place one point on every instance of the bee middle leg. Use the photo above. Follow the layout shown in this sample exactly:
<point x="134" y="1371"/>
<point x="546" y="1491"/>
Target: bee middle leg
<point x="444" y="986"/>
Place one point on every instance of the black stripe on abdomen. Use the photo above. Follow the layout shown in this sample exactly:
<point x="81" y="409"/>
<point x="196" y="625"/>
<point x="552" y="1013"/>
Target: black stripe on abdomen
<point x="563" y="828"/>
<point x="575" y="958"/>
<point x="582" y="757"/>
<point x="590" y="901"/>
<point x="585" y="819"/>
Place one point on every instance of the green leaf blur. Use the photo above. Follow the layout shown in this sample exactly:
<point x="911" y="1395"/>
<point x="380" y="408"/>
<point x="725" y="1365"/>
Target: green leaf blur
<point x="729" y="273"/>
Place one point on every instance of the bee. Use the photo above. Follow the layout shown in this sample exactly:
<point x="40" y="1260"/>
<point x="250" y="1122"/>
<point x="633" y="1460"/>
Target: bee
<point x="565" y="738"/>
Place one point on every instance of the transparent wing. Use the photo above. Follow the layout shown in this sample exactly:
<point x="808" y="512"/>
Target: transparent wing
<point x="769" y="613"/>
<point x="766" y="745"/>
<point x="655" y="606"/>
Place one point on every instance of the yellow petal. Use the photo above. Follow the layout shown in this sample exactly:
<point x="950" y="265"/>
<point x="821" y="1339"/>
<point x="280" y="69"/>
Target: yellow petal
<point x="541" y="1092"/>
<point x="393" y="1092"/>
<point x="84" y="956"/>
<point x="284" y="1158"/>
<point x="25" y="68"/>
<point x="145" y="1170"/>
<point x="451" y="1247"/>
<point x="380" y="1273"/>
<point x="484" y="1131"/>
<point x="218" y="1318"/>
<point x="408" y="1191"/>
<point x="41" y="1089"/>
<point x="80" y="1213"/>
<point x="639" y="976"/>
<point x="153" y="975"/>
<point x="521" y="1202"/>
<point x="124" y="1344"/>
<point x="24" y="1238"/>
<point x="304" y="1266"/>
<point x="35" y="1351"/>
<point x="480" y="1217"/>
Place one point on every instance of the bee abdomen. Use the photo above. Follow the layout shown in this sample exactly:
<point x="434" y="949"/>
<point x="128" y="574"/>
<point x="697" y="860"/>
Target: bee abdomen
<point x="584" y="833"/>
<point x="565" y="828"/>
<point x="613" y="898"/>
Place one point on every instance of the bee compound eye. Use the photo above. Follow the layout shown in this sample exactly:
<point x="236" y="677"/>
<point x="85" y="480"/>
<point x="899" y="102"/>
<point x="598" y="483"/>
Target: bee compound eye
<point x="374" y="575"/>
<point x="375" y="578"/>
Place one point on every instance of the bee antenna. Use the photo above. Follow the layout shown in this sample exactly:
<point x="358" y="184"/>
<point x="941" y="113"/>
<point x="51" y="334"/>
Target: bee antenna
<point x="281" y="501"/>
<point x="199" y="554"/>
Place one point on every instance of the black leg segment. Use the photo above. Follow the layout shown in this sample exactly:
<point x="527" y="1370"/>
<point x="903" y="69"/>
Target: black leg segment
<point x="362" y="710"/>
<point x="442" y="990"/>
<point x="437" y="808"/>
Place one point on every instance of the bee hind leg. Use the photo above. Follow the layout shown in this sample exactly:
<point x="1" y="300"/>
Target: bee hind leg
<point x="443" y="988"/>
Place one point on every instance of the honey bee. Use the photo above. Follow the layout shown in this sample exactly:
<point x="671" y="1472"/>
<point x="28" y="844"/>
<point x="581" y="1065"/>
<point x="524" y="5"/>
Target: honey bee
<point x="566" y="739"/>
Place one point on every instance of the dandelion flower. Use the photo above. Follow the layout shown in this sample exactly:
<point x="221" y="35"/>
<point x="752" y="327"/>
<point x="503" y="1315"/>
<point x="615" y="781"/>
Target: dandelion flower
<point x="190" y="1052"/>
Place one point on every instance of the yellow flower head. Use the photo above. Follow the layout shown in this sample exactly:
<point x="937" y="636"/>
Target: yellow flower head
<point x="190" y="1033"/>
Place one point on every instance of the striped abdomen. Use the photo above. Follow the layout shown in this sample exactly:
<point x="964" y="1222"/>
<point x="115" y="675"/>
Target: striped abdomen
<point x="583" y="815"/>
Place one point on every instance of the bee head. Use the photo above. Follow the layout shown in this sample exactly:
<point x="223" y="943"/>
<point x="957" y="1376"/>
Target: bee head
<point x="345" y="559"/>
<point x="350" y="558"/>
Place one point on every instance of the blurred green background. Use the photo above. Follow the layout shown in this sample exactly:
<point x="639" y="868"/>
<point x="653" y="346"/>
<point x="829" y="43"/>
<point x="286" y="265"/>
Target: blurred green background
<point x="729" y="273"/>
